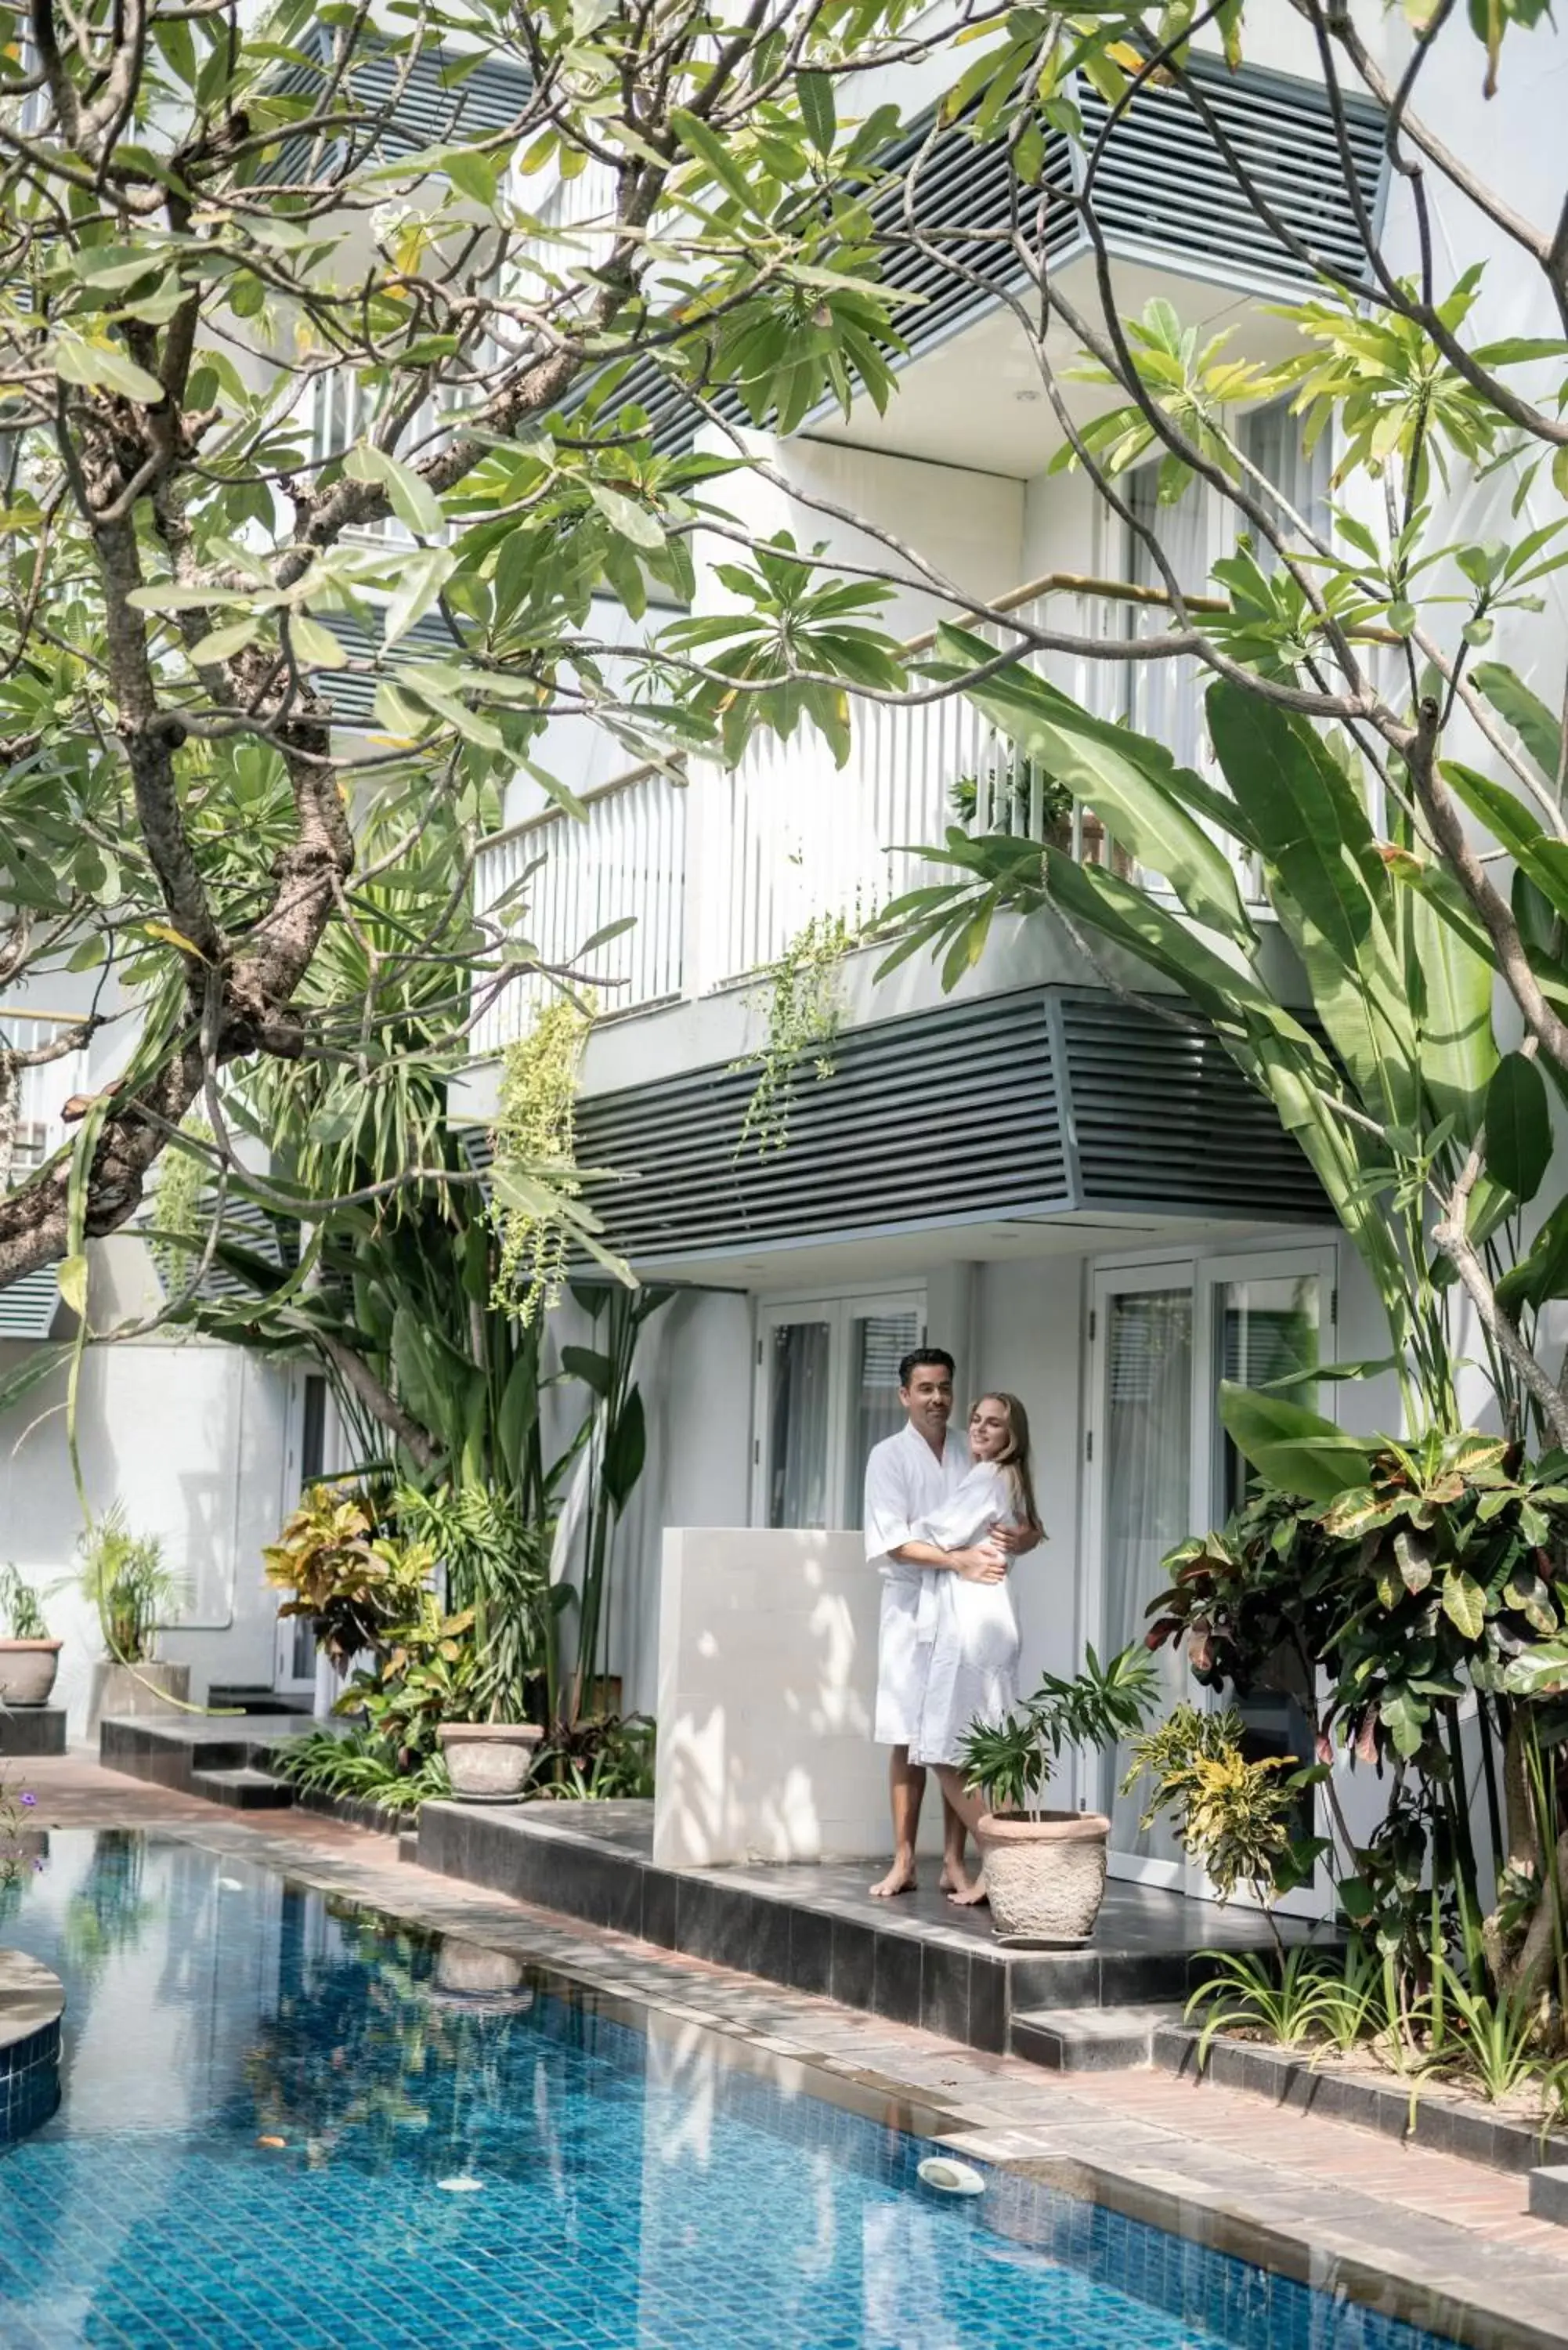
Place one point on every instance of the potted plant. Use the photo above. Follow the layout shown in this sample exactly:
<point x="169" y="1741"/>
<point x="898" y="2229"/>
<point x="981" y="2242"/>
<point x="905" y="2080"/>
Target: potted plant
<point x="131" y="1592"/>
<point x="30" y="1658"/>
<point x="1045" y="1871"/>
<point x="496" y="1569"/>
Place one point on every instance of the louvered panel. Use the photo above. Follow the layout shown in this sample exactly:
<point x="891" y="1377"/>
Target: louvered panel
<point x="1034" y="1104"/>
<point x="27" y="1306"/>
<point x="1163" y="1117"/>
<point x="352" y="692"/>
<point x="443" y="102"/>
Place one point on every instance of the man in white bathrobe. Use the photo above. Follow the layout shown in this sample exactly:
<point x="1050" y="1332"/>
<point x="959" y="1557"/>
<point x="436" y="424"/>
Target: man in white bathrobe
<point x="908" y="1477"/>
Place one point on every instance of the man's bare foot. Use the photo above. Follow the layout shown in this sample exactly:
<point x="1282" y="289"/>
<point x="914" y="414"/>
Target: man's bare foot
<point x="965" y="1895"/>
<point x="901" y="1879"/>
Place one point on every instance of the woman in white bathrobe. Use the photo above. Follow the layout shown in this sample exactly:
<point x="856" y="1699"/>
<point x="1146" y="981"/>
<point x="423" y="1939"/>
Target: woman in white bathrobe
<point x="972" y="1628"/>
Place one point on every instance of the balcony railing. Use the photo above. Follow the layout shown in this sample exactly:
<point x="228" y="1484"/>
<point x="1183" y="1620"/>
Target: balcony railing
<point x="721" y="874"/>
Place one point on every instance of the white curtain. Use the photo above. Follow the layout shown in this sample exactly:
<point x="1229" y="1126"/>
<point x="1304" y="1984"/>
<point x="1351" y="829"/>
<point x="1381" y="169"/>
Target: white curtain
<point x="797" y="1436"/>
<point x="1147" y="1485"/>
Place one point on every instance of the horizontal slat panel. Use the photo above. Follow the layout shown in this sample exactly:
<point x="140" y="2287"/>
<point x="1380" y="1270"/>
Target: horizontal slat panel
<point x="949" y="1116"/>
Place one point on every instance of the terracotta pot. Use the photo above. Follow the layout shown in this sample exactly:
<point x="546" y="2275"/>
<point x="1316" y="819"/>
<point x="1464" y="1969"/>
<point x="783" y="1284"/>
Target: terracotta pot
<point x="27" y="1670"/>
<point x="1046" y="1876"/>
<point x="488" y="1760"/>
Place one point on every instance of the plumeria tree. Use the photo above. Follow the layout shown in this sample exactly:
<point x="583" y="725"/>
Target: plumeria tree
<point x="310" y="407"/>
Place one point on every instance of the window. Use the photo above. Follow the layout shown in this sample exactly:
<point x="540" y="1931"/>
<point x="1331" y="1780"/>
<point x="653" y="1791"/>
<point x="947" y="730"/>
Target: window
<point x="1271" y="440"/>
<point x="827" y="1391"/>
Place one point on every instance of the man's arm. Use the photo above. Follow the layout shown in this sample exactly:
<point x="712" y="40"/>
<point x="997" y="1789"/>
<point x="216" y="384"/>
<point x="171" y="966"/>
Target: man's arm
<point x="1019" y="1540"/>
<point x="980" y="1562"/>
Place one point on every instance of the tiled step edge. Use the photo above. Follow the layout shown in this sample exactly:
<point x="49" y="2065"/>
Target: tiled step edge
<point x="1439" y="2120"/>
<point x="32" y="2001"/>
<point x="1088" y="2039"/>
<point x="356" y="1813"/>
<point x="243" y="1789"/>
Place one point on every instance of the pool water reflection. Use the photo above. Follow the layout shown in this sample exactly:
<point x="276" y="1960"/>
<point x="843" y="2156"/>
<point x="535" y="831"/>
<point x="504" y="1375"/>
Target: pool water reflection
<point x="286" y="2123"/>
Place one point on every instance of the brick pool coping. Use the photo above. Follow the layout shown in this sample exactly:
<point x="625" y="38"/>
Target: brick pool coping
<point x="1448" y="2244"/>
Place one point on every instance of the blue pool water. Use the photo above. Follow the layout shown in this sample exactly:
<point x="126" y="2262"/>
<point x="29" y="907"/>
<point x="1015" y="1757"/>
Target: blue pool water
<point x="289" y="2125"/>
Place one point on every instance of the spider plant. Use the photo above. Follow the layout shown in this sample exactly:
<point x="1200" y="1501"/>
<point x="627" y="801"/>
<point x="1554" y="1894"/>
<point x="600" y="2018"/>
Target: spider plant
<point x="1283" y="2001"/>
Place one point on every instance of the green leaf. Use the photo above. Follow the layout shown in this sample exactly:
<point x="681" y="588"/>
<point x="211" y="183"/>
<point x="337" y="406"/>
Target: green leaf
<point x="817" y="112"/>
<point x="627" y="518"/>
<point x="420" y="582"/>
<point x="412" y="499"/>
<point x="699" y="141"/>
<point x="1518" y="1127"/>
<point x="1464" y="1605"/>
<point x="1535" y="725"/>
<point x="314" y="646"/>
<point x="1296" y="1449"/>
<point x="221" y="644"/>
<point x="72" y="1277"/>
<point x="474" y="176"/>
<point x="103" y="367"/>
<point x="1543" y="1272"/>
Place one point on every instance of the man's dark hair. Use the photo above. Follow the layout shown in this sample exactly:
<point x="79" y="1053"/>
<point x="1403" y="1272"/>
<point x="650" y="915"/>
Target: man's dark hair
<point x="912" y="1362"/>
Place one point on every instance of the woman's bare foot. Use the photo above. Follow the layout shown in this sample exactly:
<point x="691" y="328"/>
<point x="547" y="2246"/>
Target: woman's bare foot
<point x="901" y="1879"/>
<point x="966" y="1894"/>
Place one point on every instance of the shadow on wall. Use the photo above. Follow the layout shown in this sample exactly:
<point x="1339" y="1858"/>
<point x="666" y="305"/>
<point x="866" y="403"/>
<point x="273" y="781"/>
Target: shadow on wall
<point x="767" y="1671"/>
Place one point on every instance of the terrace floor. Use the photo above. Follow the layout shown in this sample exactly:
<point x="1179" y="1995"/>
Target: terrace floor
<point x="1328" y="2201"/>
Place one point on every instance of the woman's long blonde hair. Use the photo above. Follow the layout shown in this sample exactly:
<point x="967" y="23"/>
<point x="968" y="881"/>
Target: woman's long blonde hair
<point x="1016" y="1459"/>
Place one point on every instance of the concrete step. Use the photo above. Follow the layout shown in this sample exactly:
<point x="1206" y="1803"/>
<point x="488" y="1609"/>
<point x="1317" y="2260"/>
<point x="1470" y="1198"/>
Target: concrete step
<point x="243" y="1789"/>
<point x="1088" y="2039"/>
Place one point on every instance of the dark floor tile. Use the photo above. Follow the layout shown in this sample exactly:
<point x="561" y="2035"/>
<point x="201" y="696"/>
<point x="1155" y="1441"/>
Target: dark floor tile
<point x="1054" y="1979"/>
<point x="853" y="1949"/>
<point x="944" y="1991"/>
<point x="1141" y="1978"/>
<point x="810" y="1950"/>
<point x="658" y="1896"/>
<point x="992" y="1996"/>
<point x="895" y="1978"/>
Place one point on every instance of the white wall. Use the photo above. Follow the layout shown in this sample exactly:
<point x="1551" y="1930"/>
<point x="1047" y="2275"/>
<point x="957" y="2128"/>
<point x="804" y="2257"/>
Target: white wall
<point x="192" y="1438"/>
<point x="767" y="1680"/>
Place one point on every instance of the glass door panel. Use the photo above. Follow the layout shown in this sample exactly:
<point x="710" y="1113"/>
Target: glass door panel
<point x="799" y="1422"/>
<point x="880" y="1336"/>
<point x="1146" y="1486"/>
<point x="1268" y="1329"/>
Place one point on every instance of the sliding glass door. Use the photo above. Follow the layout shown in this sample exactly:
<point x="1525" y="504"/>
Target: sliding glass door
<point x="1164" y="1338"/>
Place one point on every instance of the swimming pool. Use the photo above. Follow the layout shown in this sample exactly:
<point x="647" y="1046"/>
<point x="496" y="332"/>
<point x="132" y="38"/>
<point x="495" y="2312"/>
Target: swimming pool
<point x="284" y="2122"/>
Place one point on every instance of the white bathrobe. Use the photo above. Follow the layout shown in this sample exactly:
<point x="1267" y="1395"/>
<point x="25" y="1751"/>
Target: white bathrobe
<point x="968" y="1632"/>
<point x="905" y="1482"/>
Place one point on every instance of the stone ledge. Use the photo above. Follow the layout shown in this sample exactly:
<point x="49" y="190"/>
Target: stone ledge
<point x="1441" y="2120"/>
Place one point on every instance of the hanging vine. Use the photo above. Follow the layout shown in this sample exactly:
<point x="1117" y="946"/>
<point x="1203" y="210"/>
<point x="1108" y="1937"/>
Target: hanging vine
<point x="180" y="1214"/>
<point x="804" y="1015"/>
<point x="535" y="1171"/>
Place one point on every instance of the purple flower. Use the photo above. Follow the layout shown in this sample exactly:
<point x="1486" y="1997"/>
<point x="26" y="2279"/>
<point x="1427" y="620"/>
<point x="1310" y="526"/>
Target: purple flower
<point x="29" y="1798"/>
<point x="38" y="1865"/>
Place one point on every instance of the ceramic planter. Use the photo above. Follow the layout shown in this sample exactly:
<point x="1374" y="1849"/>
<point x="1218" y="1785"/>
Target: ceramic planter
<point x="27" y="1670"/>
<point x="487" y="1761"/>
<point x="137" y="1689"/>
<point x="1046" y="1876"/>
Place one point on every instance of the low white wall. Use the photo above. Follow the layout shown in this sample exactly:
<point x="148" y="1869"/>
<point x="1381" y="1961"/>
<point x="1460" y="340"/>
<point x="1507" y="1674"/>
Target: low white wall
<point x="767" y="1676"/>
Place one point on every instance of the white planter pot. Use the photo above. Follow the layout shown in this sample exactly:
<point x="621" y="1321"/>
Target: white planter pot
<point x="487" y="1761"/>
<point x="27" y="1670"/>
<point x="136" y="1689"/>
<point x="1046" y="1878"/>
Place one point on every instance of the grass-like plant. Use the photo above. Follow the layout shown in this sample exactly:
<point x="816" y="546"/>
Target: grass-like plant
<point x="131" y="1590"/>
<point x="1009" y="1765"/>
<point x="20" y="1609"/>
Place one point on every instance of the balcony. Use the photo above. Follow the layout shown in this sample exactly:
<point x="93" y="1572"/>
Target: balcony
<point x="717" y="874"/>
